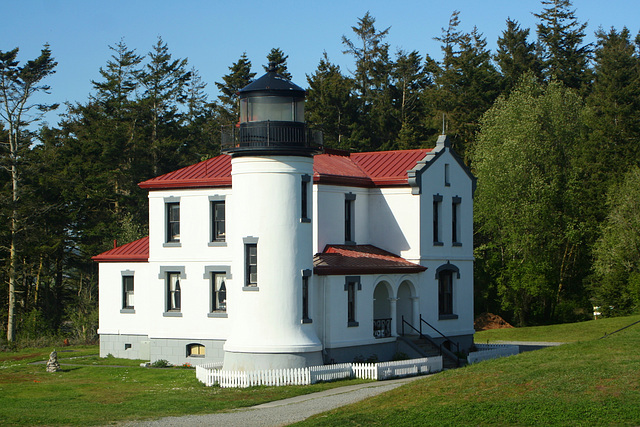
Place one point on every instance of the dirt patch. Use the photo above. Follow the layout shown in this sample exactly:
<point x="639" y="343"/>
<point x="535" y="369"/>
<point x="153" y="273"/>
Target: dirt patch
<point x="490" y="321"/>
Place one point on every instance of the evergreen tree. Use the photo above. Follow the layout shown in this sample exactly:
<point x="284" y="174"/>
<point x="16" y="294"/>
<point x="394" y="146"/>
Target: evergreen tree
<point x="202" y="125"/>
<point x="329" y="105"/>
<point x="467" y="83"/>
<point x="277" y="56"/>
<point x="561" y="37"/>
<point x="375" y="125"/>
<point x="240" y="76"/>
<point x="18" y="85"/>
<point x="516" y="56"/>
<point x="410" y="81"/>
<point x="165" y="83"/>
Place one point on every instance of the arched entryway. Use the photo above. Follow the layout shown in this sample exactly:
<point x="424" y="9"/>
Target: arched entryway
<point x="382" y="310"/>
<point x="404" y="305"/>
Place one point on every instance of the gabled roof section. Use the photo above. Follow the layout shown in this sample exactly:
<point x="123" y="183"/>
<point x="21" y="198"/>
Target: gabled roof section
<point x="136" y="251"/>
<point x="214" y="172"/>
<point x="335" y="167"/>
<point x="389" y="167"/>
<point x="361" y="259"/>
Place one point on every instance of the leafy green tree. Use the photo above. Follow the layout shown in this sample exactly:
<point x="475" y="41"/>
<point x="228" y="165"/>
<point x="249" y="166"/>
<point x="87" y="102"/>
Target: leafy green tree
<point x="18" y="85"/>
<point x="525" y="204"/>
<point x="617" y="252"/>
<point x="240" y="76"/>
<point x="277" y="56"/>
<point x="330" y="106"/>
<point x="516" y="56"/>
<point x="561" y="37"/>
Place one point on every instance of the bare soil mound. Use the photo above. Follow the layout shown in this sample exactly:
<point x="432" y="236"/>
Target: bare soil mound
<point x="490" y="321"/>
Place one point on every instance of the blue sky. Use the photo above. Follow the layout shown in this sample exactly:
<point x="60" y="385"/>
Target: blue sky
<point x="213" y="34"/>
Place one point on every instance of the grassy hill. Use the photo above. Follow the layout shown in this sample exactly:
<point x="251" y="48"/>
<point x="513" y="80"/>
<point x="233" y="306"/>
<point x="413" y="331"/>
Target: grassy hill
<point x="589" y="381"/>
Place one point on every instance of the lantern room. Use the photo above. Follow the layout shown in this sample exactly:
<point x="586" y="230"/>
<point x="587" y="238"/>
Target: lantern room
<point x="271" y="120"/>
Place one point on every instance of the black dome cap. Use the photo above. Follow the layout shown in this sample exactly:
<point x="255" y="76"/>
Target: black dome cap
<point x="272" y="83"/>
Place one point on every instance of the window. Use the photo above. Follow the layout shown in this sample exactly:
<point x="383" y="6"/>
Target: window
<point x="195" y="350"/>
<point x="445" y="292"/>
<point x="173" y="291"/>
<point x="218" y="292"/>
<point x="173" y="222"/>
<point x="305" y="296"/>
<point x="304" y="198"/>
<point x="447" y="183"/>
<point x="218" y="233"/>
<point x="437" y="201"/>
<point x="127" y="292"/>
<point x="349" y="208"/>
<point x="455" y="221"/>
<point x="351" y="286"/>
<point x="251" y="264"/>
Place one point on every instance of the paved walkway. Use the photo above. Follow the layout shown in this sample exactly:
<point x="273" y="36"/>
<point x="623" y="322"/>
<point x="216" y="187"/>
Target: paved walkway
<point x="284" y="412"/>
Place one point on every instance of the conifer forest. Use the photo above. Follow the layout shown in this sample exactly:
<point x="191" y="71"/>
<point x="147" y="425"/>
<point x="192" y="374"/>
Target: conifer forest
<point x="548" y="124"/>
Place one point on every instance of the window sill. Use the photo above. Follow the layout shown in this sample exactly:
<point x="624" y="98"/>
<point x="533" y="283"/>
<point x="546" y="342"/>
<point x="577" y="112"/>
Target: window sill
<point x="171" y="314"/>
<point x="438" y="244"/>
<point x="172" y="245"/>
<point x="219" y="314"/>
<point x="304" y="321"/>
<point x="352" y="324"/>
<point x="128" y="310"/>
<point x="250" y="288"/>
<point x="349" y="242"/>
<point x="447" y="316"/>
<point x="217" y="244"/>
<point x="305" y="220"/>
<point x="457" y="244"/>
<point x="199" y="356"/>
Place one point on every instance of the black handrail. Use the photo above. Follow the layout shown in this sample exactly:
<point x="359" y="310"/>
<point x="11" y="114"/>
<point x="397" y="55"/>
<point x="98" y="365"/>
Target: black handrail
<point x="428" y="338"/>
<point x="621" y="329"/>
<point x="441" y="334"/>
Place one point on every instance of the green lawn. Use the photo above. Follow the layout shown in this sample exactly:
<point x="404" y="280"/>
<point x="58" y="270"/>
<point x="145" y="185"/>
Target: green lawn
<point x="588" y="382"/>
<point x="100" y="391"/>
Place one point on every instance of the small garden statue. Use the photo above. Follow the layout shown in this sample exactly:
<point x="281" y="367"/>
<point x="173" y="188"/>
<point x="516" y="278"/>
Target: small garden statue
<point x="52" y="364"/>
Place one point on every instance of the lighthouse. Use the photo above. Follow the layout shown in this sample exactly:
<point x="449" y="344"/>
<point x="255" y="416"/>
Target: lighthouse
<point x="272" y="175"/>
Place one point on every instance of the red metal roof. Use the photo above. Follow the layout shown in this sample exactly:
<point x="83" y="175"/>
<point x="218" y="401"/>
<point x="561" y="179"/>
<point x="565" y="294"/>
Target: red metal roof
<point x="380" y="168"/>
<point x="361" y="259"/>
<point x="214" y="172"/>
<point x="136" y="251"/>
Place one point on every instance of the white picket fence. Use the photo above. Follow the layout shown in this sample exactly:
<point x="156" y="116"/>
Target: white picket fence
<point x="212" y="373"/>
<point x="491" y="351"/>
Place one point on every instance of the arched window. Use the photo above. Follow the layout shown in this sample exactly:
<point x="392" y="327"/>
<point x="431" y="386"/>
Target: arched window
<point x="446" y="275"/>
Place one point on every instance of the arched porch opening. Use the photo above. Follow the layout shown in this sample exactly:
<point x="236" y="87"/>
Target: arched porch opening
<point x="405" y="305"/>
<point x="382" y="310"/>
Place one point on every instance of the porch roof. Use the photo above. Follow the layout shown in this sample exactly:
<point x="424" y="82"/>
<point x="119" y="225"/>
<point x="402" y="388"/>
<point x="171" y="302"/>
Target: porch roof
<point x="361" y="259"/>
<point x="136" y="251"/>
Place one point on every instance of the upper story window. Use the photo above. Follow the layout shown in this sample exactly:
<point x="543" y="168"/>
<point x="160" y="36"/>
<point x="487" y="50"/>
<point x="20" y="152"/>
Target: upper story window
<point x="437" y="202"/>
<point x="172" y="221"/>
<point x="304" y="198"/>
<point x="127" y="291"/>
<point x="218" y="226"/>
<point x="455" y="221"/>
<point x="349" y="218"/>
<point x="447" y="182"/>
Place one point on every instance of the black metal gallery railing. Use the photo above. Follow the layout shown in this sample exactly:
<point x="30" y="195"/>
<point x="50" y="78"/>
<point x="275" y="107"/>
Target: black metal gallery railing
<point x="381" y="328"/>
<point x="269" y="134"/>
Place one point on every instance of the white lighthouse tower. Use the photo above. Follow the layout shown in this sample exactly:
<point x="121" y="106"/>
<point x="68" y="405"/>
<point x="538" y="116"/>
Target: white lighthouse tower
<point x="272" y="171"/>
